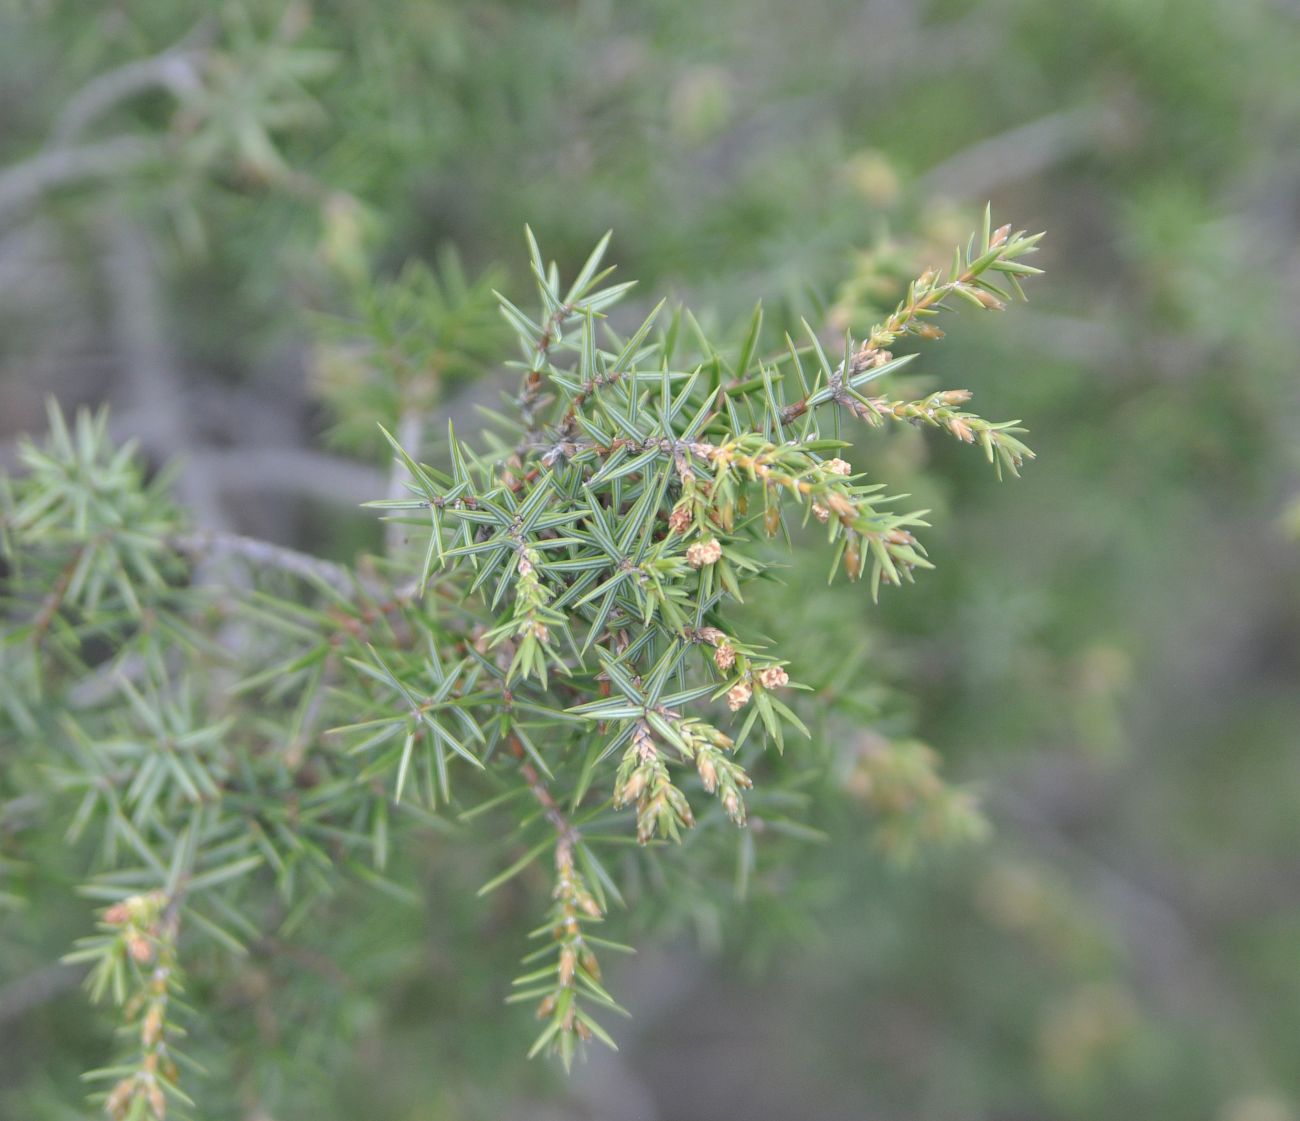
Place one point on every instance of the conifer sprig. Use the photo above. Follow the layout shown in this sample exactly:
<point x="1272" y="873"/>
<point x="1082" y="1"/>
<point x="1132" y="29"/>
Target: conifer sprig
<point x="558" y="670"/>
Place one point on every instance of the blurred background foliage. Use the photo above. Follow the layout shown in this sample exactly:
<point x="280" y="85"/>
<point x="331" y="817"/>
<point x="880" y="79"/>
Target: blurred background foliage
<point x="1108" y="649"/>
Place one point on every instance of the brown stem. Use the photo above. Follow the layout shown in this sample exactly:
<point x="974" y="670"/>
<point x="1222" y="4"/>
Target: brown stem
<point x="564" y="828"/>
<point x="530" y="392"/>
<point x="54" y="601"/>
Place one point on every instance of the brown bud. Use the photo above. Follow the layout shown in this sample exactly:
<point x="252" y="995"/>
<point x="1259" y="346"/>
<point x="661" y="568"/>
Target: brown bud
<point x="852" y="559"/>
<point x="157" y="1103"/>
<point x="838" y="466"/>
<point x="840" y="506"/>
<point x="959" y="428"/>
<point x="645" y="744"/>
<point x="117" y="914"/>
<point x="631" y="790"/>
<point x="679" y="520"/>
<point x="1000" y="236"/>
<point x="772" y="520"/>
<point x="989" y="300"/>
<point x="151" y="1029"/>
<point x="738" y="696"/>
<point x="954" y="396"/>
<point x="724" y="657"/>
<point x="708" y="772"/>
<point x="703" y="552"/>
<point x="773" y="676"/>
<point x="546" y="1007"/>
<point x="568" y="963"/>
<point x="564" y="860"/>
<point x="140" y="948"/>
<point x="734" y="808"/>
<point x="119" y="1098"/>
<point x="928" y="331"/>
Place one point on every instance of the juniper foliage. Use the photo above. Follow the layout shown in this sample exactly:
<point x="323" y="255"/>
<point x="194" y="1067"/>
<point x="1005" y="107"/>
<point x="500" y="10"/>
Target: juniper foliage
<point x="548" y="659"/>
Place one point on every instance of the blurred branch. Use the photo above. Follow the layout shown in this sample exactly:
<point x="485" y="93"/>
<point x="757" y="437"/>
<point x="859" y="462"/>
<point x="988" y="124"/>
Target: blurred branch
<point x="410" y="436"/>
<point x="253" y="470"/>
<point x="978" y="171"/>
<point x="212" y="543"/>
<point x="329" y="478"/>
<point x="174" y="70"/>
<point x="24" y="183"/>
<point x="148" y="363"/>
